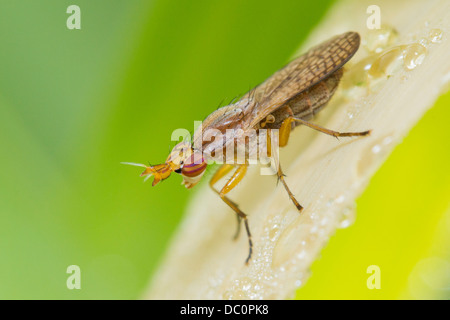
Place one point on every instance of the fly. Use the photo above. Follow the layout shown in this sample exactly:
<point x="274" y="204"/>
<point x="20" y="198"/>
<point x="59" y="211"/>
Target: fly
<point x="290" y="97"/>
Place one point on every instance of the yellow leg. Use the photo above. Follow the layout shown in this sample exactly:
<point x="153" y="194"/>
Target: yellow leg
<point x="237" y="176"/>
<point x="284" y="134"/>
<point x="285" y="131"/>
<point x="219" y="174"/>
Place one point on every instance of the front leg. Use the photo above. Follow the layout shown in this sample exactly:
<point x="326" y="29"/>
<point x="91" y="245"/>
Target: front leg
<point x="219" y="174"/>
<point x="237" y="176"/>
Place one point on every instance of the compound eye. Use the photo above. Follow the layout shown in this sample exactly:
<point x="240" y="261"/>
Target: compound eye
<point x="194" y="166"/>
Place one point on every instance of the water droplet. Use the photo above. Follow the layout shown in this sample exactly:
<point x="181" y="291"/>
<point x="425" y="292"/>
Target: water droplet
<point x="348" y="217"/>
<point x="374" y="152"/>
<point x="246" y="286"/>
<point x="378" y="39"/>
<point x="376" y="149"/>
<point x="273" y="232"/>
<point x="387" y="140"/>
<point x="414" y="55"/>
<point x="329" y="203"/>
<point x="424" y="42"/>
<point x="302" y="254"/>
<point x="356" y="75"/>
<point x="435" y="35"/>
<point x="291" y="241"/>
<point x="387" y="63"/>
<point x="238" y="295"/>
<point x="340" y="199"/>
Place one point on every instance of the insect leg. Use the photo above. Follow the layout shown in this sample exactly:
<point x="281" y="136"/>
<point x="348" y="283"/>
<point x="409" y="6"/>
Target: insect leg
<point x="219" y="174"/>
<point x="285" y="131"/>
<point x="328" y="131"/>
<point x="283" y="138"/>
<point x="229" y="185"/>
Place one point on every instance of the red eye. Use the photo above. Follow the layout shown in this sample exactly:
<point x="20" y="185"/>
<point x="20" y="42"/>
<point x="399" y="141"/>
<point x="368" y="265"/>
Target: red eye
<point x="194" y="166"/>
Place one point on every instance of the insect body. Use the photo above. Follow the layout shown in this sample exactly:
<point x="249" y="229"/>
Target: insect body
<point x="290" y="97"/>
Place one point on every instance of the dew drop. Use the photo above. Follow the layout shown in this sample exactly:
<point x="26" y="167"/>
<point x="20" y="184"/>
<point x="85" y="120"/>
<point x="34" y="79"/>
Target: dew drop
<point x="228" y="295"/>
<point x="246" y="287"/>
<point x="414" y="55"/>
<point x="238" y="295"/>
<point x="348" y="217"/>
<point x="387" y="140"/>
<point x="302" y="254"/>
<point x="356" y="75"/>
<point x="424" y="42"/>
<point x="435" y="35"/>
<point x="374" y="152"/>
<point x="387" y="63"/>
<point x="340" y="199"/>
<point x="273" y="232"/>
<point x="376" y="149"/>
<point x="379" y="39"/>
<point x="289" y="243"/>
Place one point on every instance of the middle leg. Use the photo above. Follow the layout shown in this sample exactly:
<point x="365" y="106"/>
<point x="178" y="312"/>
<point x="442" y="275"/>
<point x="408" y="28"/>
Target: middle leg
<point x="273" y="145"/>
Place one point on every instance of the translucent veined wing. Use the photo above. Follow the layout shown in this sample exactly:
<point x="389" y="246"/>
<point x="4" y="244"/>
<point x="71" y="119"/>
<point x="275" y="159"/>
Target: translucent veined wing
<point x="299" y="75"/>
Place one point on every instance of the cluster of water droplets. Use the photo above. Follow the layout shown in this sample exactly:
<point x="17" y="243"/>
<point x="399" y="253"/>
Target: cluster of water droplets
<point x="385" y="59"/>
<point x="260" y="279"/>
<point x="289" y="244"/>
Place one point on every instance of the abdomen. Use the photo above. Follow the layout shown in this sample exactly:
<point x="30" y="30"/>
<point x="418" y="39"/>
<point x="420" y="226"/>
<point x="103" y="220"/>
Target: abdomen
<point x="308" y="103"/>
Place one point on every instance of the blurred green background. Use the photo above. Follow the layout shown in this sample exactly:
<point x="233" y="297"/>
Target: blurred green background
<point x="75" y="103"/>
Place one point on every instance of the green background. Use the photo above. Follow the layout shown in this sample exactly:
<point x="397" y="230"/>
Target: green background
<point x="75" y="103"/>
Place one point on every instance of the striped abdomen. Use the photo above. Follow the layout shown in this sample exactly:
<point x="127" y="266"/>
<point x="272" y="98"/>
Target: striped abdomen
<point x="308" y="103"/>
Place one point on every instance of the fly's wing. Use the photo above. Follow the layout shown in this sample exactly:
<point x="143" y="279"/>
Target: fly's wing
<point x="299" y="75"/>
